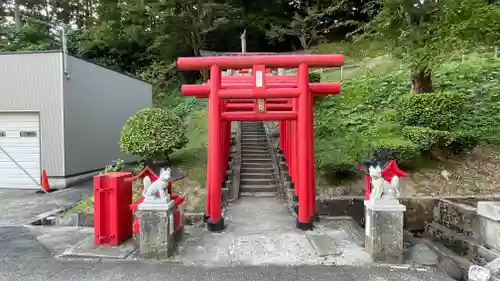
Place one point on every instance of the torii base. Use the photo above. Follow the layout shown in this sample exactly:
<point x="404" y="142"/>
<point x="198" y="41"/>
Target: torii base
<point x="215" y="226"/>
<point x="305" y="225"/>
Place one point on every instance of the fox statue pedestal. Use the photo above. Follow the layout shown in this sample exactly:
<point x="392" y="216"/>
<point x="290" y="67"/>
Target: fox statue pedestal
<point x="157" y="238"/>
<point x="384" y="230"/>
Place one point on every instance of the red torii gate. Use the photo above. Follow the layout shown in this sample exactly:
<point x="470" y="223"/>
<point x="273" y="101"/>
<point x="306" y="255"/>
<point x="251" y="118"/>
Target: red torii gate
<point x="288" y="99"/>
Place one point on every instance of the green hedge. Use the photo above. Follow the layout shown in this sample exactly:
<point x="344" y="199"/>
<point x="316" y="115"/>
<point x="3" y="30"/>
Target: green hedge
<point x="438" y="111"/>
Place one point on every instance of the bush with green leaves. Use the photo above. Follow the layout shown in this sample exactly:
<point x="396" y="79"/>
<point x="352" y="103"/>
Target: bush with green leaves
<point x="438" y="111"/>
<point x="152" y="133"/>
<point x="183" y="109"/>
<point x="478" y="78"/>
<point x="314" y="77"/>
<point x="117" y="166"/>
<point x="427" y="138"/>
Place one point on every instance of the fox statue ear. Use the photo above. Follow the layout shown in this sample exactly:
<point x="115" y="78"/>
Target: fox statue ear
<point x="162" y="170"/>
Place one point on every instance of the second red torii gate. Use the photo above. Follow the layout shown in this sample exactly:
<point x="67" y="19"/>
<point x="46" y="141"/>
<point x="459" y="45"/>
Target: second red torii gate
<point x="287" y="99"/>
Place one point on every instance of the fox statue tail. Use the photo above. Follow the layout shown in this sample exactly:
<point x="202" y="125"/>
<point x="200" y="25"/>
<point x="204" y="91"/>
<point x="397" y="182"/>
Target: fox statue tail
<point x="395" y="184"/>
<point x="146" y="182"/>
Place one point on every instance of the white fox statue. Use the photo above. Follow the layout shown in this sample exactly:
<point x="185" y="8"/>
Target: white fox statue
<point x="381" y="187"/>
<point x="158" y="186"/>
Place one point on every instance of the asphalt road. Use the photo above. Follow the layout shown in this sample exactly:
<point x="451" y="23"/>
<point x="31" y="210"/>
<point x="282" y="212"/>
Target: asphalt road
<point x="50" y="270"/>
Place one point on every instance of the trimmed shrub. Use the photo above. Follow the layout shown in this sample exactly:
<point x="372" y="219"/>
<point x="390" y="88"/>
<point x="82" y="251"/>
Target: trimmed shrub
<point x="152" y="133"/>
<point x="183" y="109"/>
<point x="427" y="138"/>
<point x="438" y="111"/>
<point x="398" y="149"/>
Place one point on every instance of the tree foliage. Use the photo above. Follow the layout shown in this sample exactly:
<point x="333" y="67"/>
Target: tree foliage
<point x="425" y="33"/>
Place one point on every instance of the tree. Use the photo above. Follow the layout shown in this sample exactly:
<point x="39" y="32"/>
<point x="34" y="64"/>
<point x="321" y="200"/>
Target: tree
<point x="307" y="27"/>
<point x="184" y="23"/>
<point x="424" y="33"/>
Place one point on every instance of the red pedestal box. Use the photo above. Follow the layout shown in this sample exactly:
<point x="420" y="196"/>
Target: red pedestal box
<point x="112" y="216"/>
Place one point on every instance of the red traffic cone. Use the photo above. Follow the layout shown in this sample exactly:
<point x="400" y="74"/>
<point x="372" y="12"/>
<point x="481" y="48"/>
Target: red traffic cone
<point x="45" y="184"/>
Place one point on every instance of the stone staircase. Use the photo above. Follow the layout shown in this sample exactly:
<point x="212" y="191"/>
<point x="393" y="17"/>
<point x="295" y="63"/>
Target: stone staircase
<point x="257" y="170"/>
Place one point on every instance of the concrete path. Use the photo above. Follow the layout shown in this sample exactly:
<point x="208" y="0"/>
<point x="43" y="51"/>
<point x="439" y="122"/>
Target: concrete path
<point x="20" y="207"/>
<point x="261" y="231"/>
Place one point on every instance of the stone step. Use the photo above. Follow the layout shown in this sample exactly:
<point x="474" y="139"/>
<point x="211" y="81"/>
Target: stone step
<point x="252" y="134"/>
<point x="253" y="138"/>
<point x="257" y="194"/>
<point x="245" y="140"/>
<point x="256" y="155"/>
<point x="253" y="143"/>
<point x="455" y="216"/>
<point x="257" y="165"/>
<point x="254" y="146"/>
<point x="257" y="188"/>
<point x="257" y="175"/>
<point x="323" y="244"/>
<point x="255" y="151"/>
<point x="264" y="153"/>
<point x="259" y="182"/>
<point x="256" y="170"/>
<point x="253" y="155"/>
<point x="457" y="242"/>
<point x="257" y="159"/>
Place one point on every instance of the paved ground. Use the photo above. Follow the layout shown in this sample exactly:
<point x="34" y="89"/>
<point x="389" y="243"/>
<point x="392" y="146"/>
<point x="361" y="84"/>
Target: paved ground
<point x="242" y="253"/>
<point x="20" y="207"/>
<point x="262" y="231"/>
<point x="24" y="258"/>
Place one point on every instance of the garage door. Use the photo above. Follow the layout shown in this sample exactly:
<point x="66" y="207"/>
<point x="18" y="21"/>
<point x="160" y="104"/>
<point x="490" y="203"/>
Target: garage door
<point x="20" y="138"/>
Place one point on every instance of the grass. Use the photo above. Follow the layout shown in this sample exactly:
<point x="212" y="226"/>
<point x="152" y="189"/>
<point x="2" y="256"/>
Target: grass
<point x="354" y="53"/>
<point x="193" y="160"/>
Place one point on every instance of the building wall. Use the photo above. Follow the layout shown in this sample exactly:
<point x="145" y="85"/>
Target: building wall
<point x="97" y="103"/>
<point x="33" y="82"/>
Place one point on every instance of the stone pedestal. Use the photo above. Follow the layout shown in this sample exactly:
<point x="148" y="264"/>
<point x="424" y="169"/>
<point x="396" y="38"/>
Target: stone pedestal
<point x="384" y="230"/>
<point x="488" y="216"/>
<point x="157" y="238"/>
